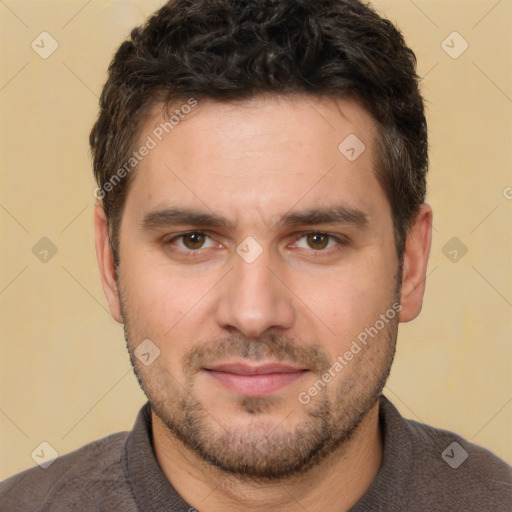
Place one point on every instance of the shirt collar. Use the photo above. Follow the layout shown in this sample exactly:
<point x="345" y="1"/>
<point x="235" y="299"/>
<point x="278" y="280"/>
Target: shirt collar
<point x="152" y="491"/>
<point x="397" y="460"/>
<point x="150" y="488"/>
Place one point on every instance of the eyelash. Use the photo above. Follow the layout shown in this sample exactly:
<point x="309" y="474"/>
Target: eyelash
<point x="342" y="242"/>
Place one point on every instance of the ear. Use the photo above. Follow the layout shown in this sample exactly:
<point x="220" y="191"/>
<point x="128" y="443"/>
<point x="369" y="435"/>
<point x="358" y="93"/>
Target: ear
<point x="106" y="262"/>
<point x="417" y="250"/>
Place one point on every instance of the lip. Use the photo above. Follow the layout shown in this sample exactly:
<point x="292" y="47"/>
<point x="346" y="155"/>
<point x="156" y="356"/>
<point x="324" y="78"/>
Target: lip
<point x="255" y="380"/>
<point x="258" y="369"/>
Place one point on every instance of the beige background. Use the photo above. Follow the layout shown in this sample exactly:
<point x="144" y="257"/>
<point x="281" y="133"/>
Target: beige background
<point x="65" y="373"/>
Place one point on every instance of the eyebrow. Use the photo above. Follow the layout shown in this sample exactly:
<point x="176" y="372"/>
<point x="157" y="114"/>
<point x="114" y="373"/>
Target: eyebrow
<point x="336" y="215"/>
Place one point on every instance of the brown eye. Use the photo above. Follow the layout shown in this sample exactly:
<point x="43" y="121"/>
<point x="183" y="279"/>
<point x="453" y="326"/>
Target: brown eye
<point x="321" y="243"/>
<point x="318" y="241"/>
<point x="193" y="240"/>
<point x="191" y="244"/>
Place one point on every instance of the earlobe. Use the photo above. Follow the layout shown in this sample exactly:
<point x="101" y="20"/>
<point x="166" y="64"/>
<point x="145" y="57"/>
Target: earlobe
<point x="417" y="251"/>
<point x="106" y="263"/>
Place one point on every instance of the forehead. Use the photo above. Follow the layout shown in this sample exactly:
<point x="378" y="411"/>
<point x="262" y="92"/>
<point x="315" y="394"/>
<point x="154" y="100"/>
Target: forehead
<point x="261" y="156"/>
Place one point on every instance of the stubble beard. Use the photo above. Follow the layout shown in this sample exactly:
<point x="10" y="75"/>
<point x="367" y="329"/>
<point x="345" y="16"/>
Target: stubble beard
<point x="262" y="450"/>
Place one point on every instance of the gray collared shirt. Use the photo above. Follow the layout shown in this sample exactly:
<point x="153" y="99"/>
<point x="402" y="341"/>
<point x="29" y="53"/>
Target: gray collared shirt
<point x="421" y="472"/>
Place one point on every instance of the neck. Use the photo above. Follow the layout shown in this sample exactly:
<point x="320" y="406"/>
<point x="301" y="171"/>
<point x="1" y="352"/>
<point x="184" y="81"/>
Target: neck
<point x="336" y="483"/>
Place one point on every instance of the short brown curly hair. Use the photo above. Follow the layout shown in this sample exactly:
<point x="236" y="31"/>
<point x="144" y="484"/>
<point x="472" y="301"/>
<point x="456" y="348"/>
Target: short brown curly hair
<point x="235" y="49"/>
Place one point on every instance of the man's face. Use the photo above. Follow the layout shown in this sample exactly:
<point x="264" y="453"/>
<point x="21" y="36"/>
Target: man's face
<point x="248" y="315"/>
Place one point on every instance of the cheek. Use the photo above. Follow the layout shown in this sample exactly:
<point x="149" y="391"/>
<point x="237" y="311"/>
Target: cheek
<point x="171" y="309"/>
<point x="157" y="310"/>
<point x="155" y="299"/>
<point x="344" y="304"/>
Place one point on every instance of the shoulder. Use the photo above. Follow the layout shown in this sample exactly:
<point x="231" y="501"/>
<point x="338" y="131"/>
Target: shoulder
<point x="68" y="479"/>
<point x="455" y="452"/>
<point x="456" y="472"/>
<point x="429" y="469"/>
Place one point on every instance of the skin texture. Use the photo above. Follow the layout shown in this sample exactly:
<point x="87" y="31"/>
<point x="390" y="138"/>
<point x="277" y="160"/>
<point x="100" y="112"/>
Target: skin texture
<point x="302" y="301"/>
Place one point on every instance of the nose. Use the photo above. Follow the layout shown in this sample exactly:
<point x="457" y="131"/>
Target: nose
<point x="254" y="298"/>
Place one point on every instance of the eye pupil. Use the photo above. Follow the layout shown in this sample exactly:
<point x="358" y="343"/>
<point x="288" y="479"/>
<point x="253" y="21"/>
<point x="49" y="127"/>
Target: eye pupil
<point x="317" y="239"/>
<point x="193" y="240"/>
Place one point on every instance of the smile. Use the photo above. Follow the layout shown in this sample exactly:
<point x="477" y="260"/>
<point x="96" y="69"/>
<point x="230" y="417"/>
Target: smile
<point x="260" y="380"/>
